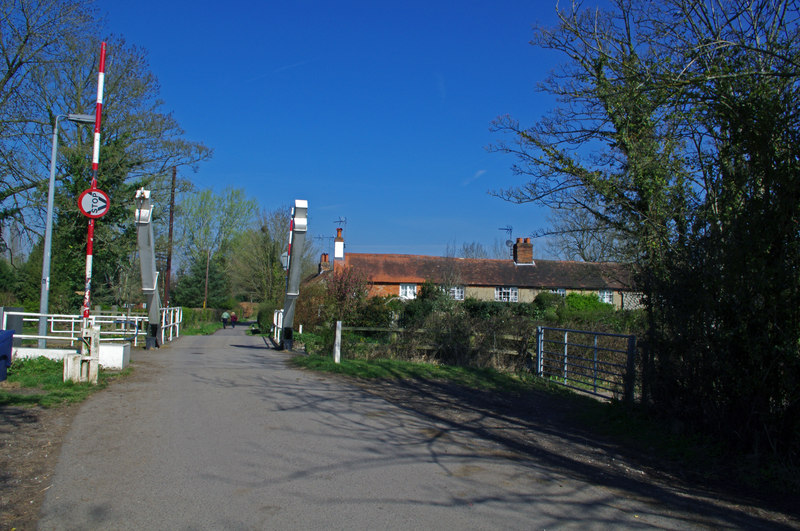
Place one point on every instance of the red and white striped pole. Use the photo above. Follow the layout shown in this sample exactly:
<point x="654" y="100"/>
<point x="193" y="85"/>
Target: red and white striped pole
<point x="95" y="163"/>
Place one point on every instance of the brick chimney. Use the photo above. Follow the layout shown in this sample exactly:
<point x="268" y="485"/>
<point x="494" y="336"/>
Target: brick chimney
<point x="338" y="246"/>
<point x="523" y="252"/>
<point x="324" y="263"/>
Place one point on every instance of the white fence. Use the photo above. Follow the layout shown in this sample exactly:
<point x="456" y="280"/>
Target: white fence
<point x="65" y="329"/>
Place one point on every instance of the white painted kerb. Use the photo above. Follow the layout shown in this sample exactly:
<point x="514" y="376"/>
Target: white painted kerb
<point x="112" y="356"/>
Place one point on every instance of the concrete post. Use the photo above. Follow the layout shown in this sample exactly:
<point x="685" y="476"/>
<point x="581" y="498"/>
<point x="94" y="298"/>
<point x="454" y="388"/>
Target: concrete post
<point x="84" y="367"/>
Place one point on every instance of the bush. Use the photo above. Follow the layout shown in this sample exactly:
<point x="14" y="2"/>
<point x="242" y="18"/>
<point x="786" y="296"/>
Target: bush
<point x="196" y="317"/>
<point x="265" y="315"/>
<point x="478" y="309"/>
<point x="547" y="300"/>
<point x="378" y="312"/>
<point x="315" y="343"/>
<point x="583" y="311"/>
<point x="590" y="302"/>
<point x="311" y="307"/>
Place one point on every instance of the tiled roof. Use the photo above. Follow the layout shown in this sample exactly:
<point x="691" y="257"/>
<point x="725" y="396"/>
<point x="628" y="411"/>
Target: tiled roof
<point x="403" y="268"/>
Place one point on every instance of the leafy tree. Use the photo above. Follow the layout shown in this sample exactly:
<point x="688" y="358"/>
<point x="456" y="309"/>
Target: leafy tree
<point x="8" y="283"/>
<point x="202" y="282"/>
<point x="631" y="179"/>
<point x="51" y="53"/>
<point x="730" y="351"/>
<point x="677" y="131"/>
<point x="210" y="222"/>
<point x="255" y="266"/>
<point x="138" y="142"/>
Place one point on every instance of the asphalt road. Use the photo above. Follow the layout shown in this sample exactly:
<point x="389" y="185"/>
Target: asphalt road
<point x="219" y="433"/>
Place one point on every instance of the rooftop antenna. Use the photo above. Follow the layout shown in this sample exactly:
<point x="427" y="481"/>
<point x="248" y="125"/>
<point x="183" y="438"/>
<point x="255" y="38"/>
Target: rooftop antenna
<point x="509" y="242"/>
<point x="341" y="222"/>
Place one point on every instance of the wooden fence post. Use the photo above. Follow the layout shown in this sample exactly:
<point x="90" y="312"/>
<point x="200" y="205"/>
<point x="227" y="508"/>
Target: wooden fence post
<point x="630" y="373"/>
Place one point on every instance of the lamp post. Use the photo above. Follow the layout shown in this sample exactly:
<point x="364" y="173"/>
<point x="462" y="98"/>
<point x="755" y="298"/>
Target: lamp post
<point x="48" y="231"/>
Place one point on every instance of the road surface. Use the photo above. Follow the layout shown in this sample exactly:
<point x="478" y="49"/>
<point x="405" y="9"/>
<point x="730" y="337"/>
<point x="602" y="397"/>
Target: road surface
<point x="219" y="433"/>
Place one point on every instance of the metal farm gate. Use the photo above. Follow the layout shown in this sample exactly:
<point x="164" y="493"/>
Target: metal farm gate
<point x="593" y="362"/>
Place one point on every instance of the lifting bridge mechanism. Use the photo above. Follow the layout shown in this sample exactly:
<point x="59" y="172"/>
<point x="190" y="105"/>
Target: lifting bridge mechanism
<point x="147" y="259"/>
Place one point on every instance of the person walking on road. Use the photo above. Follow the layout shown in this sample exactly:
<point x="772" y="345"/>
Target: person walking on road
<point x="225" y="317"/>
<point x="233" y="319"/>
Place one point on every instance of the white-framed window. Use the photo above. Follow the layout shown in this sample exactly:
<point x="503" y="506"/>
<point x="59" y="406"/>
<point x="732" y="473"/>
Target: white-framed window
<point x="408" y="291"/>
<point x="606" y="295"/>
<point x="506" y="294"/>
<point x="560" y="291"/>
<point x="456" y="293"/>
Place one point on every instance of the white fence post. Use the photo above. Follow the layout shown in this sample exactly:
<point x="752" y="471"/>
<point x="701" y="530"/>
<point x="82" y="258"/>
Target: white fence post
<point x="337" y="344"/>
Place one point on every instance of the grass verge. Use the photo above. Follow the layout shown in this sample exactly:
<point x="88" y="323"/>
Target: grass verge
<point x="476" y="378"/>
<point x="201" y="329"/>
<point x="40" y="382"/>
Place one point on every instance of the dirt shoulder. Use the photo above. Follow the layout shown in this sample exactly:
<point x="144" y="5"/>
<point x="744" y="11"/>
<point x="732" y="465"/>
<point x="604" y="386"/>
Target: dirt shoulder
<point x="30" y="443"/>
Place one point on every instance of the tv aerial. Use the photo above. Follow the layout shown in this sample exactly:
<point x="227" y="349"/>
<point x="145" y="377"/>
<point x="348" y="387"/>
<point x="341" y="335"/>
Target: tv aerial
<point x="509" y="230"/>
<point x="342" y="222"/>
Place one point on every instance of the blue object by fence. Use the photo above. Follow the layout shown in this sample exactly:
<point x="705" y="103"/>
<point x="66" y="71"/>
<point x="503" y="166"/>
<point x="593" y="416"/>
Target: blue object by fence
<point x="6" y="341"/>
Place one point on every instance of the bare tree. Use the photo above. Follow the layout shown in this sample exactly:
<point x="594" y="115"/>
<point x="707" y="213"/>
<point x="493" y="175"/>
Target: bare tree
<point x="33" y="34"/>
<point x="575" y="234"/>
<point x="477" y="250"/>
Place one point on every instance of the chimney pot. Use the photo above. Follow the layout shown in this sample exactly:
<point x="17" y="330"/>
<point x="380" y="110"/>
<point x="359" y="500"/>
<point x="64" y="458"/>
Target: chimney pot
<point x="338" y="245"/>
<point x="523" y="251"/>
<point x="324" y="263"/>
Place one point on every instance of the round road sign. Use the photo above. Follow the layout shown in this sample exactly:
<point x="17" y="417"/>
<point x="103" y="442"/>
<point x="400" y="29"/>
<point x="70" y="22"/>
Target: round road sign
<point x="93" y="203"/>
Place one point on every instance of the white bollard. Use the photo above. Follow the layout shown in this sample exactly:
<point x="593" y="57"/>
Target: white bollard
<point x="337" y="343"/>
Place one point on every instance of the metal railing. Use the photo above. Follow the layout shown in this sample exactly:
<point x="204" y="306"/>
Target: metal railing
<point x="593" y="362"/>
<point x="65" y="329"/>
<point x="597" y="363"/>
<point x="171" y="320"/>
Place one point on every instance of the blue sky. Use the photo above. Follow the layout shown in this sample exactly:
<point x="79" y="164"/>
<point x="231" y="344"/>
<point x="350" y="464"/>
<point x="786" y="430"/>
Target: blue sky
<point x="374" y="112"/>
